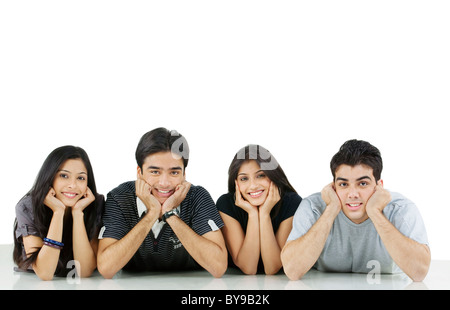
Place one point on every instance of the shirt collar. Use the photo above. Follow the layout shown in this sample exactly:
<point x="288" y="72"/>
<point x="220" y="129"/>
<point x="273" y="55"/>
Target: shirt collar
<point x="141" y="208"/>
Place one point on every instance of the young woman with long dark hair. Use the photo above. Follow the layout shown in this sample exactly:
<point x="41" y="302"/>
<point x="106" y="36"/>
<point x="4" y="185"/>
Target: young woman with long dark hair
<point x="257" y="210"/>
<point x="58" y="220"/>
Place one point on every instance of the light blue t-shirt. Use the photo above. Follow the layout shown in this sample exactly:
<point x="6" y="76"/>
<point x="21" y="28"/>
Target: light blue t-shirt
<point x="351" y="247"/>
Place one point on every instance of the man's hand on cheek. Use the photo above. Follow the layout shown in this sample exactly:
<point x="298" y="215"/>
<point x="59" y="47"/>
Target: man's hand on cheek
<point x="331" y="198"/>
<point x="379" y="199"/>
<point x="144" y="192"/>
<point x="177" y="197"/>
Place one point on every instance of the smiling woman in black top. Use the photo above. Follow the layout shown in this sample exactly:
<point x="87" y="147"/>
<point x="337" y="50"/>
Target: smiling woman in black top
<point x="257" y="210"/>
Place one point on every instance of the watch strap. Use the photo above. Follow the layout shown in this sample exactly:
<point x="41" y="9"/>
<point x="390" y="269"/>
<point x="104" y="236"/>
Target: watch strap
<point x="169" y="214"/>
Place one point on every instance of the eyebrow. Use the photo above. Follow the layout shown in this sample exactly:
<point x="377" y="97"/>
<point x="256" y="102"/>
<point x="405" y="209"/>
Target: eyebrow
<point x="159" y="168"/>
<point x="243" y="173"/>
<point x="359" y="179"/>
<point x="62" y="170"/>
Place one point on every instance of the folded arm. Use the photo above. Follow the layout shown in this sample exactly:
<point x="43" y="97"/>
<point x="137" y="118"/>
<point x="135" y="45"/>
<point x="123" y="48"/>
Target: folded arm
<point x="208" y="250"/>
<point x="114" y="254"/>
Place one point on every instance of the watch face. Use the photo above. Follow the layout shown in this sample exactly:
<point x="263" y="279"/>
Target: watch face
<point x="169" y="214"/>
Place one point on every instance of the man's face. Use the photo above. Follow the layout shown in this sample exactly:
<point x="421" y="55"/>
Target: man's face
<point x="164" y="172"/>
<point x="354" y="186"/>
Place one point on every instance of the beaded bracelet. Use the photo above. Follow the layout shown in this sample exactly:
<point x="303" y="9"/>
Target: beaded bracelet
<point x="53" y="245"/>
<point x="59" y="244"/>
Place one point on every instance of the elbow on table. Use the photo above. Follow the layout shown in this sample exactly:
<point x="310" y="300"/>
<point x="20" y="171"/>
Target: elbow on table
<point x="219" y="270"/>
<point x="293" y="274"/>
<point x="271" y="271"/>
<point x="106" y="271"/>
<point x="420" y="274"/>
<point x="292" y="270"/>
<point x="418" y="278"/>
<point x="249" y="271"/>
<point x="87" y="274"/>
<point x="45" y="276"/>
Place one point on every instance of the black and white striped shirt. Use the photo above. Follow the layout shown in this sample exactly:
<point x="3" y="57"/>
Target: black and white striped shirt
<point x="165" y="252"/>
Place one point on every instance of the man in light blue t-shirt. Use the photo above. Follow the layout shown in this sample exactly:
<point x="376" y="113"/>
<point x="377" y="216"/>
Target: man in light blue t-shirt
<point x="355" y="224"/>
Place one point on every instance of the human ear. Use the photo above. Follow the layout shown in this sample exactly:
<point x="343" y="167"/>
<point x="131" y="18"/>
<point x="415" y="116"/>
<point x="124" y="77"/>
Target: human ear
<point x="139" y="172"/>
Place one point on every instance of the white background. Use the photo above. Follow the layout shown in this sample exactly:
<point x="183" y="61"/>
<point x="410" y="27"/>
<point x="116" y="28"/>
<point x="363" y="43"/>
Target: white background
<point x="299" y="78"/>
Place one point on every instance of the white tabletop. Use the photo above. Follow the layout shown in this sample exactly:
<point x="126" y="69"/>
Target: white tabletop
<point x="438" y="278"/>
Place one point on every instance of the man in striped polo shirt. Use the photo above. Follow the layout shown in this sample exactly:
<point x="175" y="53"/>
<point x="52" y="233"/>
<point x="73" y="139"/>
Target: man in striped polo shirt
<point x="160" y="221"/>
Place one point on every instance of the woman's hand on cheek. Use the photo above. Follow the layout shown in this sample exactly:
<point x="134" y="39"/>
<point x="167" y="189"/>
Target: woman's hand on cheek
<point x="241" y="202"/>
<point x="52" y="202"/>
<point x="272" y="198"/>
<point x="85" y="201"/>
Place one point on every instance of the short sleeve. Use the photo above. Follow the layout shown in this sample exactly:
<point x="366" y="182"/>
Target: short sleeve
<point x="100" y="202"/>
<point x="205" y="216"/>
<point x="405" y="216"/>
<point x="304" y="218"/>
<point x="25" y="218"/>
<point x="114" y="222"/>
<point x="226" y="204"/>
<point x="291" y="202"/>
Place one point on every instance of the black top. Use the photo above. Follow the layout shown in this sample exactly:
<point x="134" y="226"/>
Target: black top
<point x="289" y="204"/>
<point x="165" y="252"/>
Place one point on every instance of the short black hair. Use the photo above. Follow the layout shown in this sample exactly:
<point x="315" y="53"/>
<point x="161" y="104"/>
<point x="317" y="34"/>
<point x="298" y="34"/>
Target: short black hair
<point x="357" y="152"/>
<point x="162" y="140"/>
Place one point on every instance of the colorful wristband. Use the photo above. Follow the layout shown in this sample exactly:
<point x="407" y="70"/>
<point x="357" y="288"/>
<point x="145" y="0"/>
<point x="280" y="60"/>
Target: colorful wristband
<point x="60" y="244"/>
<point x="53" y="245"/>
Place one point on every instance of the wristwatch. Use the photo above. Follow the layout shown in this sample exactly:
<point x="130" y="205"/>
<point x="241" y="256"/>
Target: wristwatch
<point x="170" y="213"/>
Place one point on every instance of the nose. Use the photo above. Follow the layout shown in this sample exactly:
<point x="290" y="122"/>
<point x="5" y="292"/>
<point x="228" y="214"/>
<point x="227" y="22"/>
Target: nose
<point x="71" y="183"/>
<point x="353" y="193"/>
<point x="163" y="181"/>
<point x="253" y="183"/>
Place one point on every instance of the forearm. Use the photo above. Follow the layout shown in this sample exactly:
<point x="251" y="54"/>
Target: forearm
<point x="113" y="257"/>
<point x="210" y="255"/>
<point x="82" y="249"/>
<point x="411" y="257"/>
<point x="47" y="259"/>
<point x="248" y="256"/>
<point x="270" y="249"/>
<point x="298" y="256"/>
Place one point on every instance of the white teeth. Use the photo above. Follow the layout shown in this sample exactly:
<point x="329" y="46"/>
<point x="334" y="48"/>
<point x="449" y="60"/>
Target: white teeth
<point x="256" y="193"/>
<point x="70" y="195"/>
<point x="353" y="204"/>
<point x="163" y="192"/>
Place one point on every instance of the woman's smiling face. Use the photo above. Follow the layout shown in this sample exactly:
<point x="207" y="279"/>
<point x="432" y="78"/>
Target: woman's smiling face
<point x="70" y="183"/>
<point x="253" y="183"/>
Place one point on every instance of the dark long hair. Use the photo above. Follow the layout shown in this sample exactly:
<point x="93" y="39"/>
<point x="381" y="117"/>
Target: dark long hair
<point x="43" y="214"/>
<point x="267" y="163"/>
